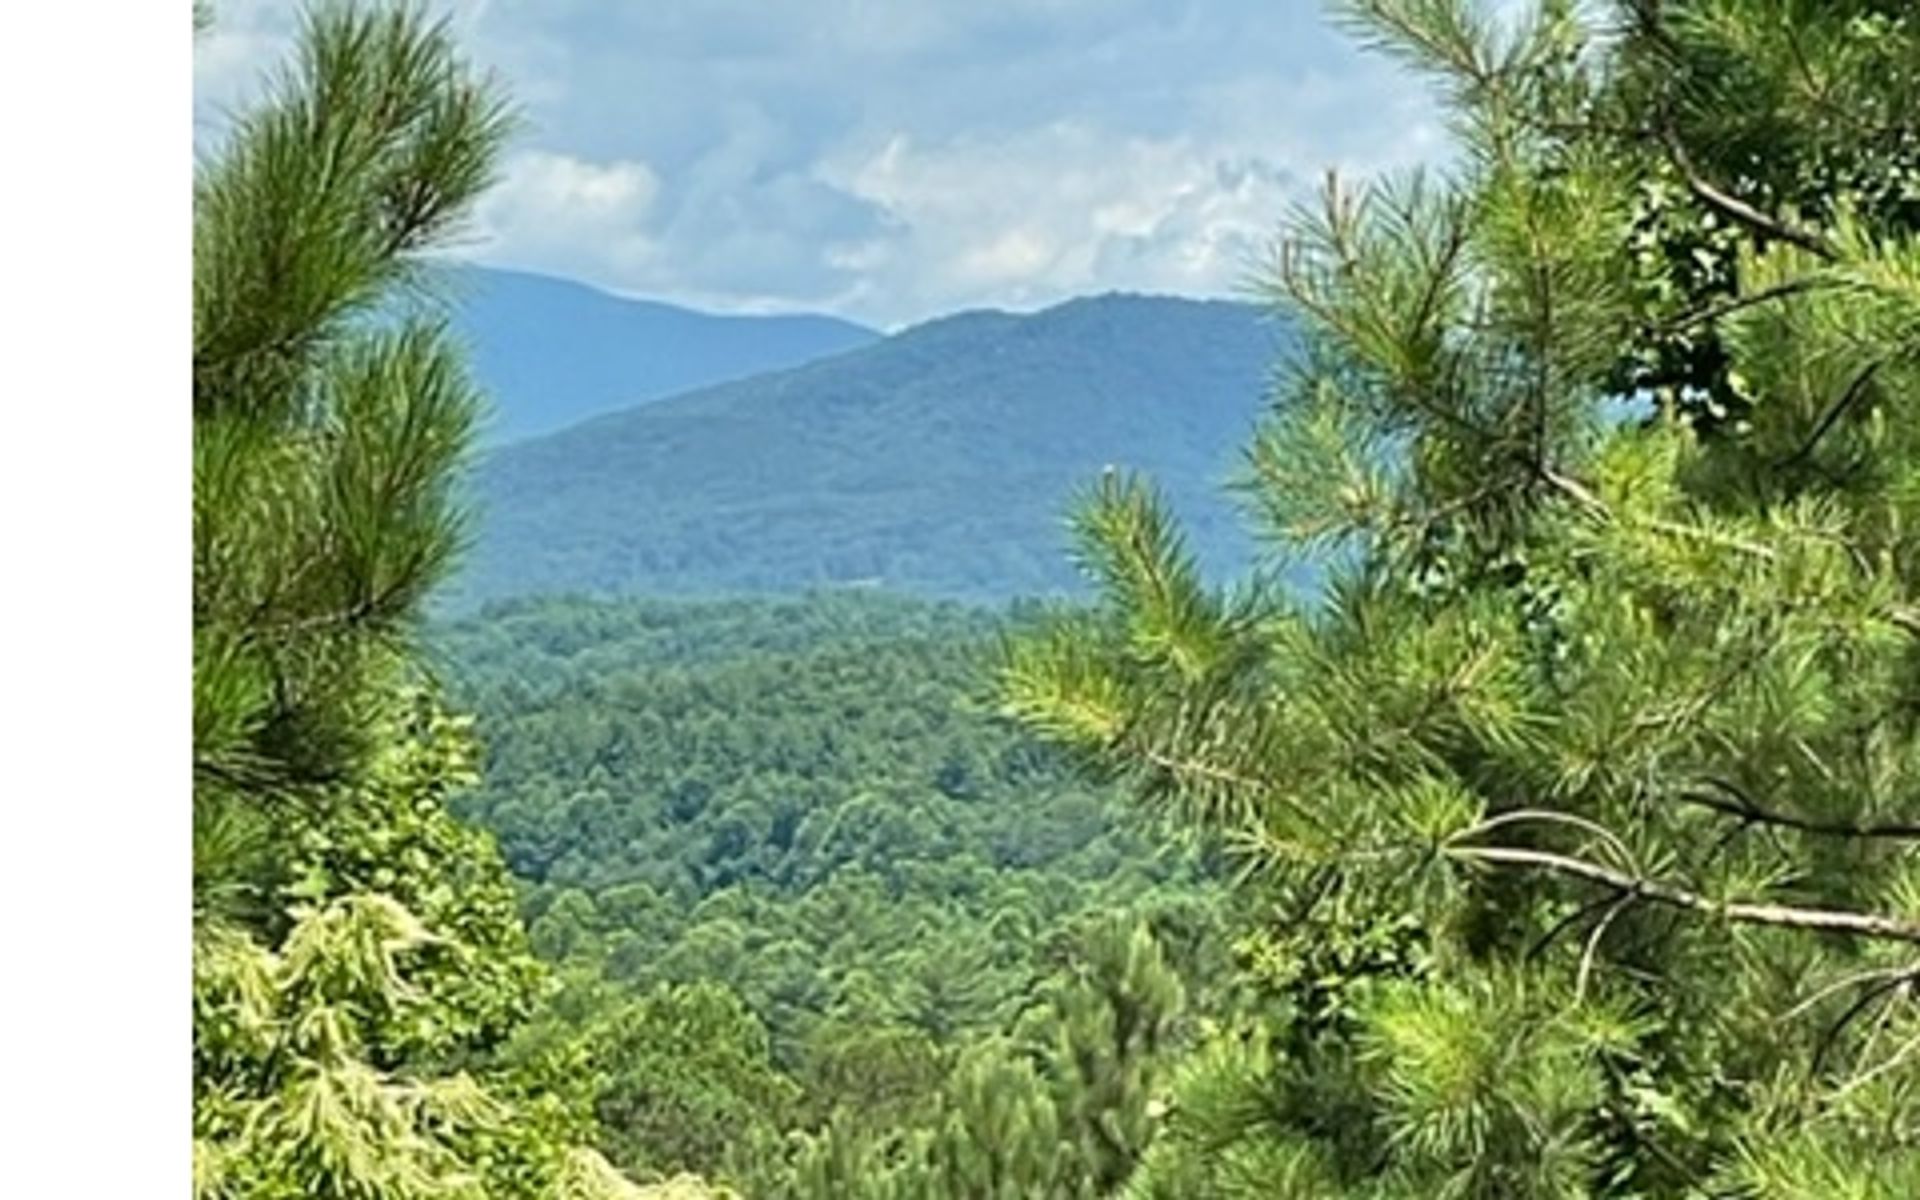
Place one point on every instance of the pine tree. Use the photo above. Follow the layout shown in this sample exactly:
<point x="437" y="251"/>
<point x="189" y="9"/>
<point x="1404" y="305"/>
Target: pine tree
<point x="326" y="434"/>
<point x="1103" y="1032"/>
<point x="1061" y="1109"/>
<point x="358" y="957"/>
<point x="1580" y="808"/>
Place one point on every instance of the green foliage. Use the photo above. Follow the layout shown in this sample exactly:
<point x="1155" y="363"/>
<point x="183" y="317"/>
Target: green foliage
<point x="360" y="1056"/>
<point x="1107" y="1026"/>
<point x="684" y="1080"/>
<point x="806" y="800"/>
<point x="795" y="873"/>
<point x="290" y="1097"/>
<point x="323" y="449"/>
<point x="1811" y="112"/>
<point x="1062" y="1108"/>
<point x="398" y="840"/>
<point x="1583" y="799"/>
<point x="1576" y="815"/>
<point x="358" y="956"/>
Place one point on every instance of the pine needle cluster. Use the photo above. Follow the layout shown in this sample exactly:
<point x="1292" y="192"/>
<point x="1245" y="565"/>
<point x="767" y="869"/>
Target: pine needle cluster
<point x="1580" y="810"/>
<point x="358" y="955"/>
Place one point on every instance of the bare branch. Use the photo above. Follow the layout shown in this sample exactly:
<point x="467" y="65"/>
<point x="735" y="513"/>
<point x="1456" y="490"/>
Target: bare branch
<point x="1821" y="920"/>
<point x="1833" y="414"/>
<point x="1731" y="206"/>
<point x="1734" y="802"/>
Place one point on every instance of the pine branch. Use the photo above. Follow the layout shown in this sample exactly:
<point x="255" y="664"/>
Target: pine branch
<point x="1734" y="802"/>
<point x="1884" y="985"/>
<point x="1583" y="495"/>
<point x="1833" y="414"/>
<point x="1738" y="210"/>
<point x="1708" y="314"/>
<point x="1873" y="976"/>
<point x="1194" y="768"/>
<point x="1823" y="920"/>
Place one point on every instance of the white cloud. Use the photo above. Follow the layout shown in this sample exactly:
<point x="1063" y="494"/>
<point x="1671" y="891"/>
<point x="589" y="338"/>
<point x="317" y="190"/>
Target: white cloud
<point x="895" y="161"/>
<point x="1058" y="211"/>
<point x="565" y="213"/>
<point x="229" y="60"/>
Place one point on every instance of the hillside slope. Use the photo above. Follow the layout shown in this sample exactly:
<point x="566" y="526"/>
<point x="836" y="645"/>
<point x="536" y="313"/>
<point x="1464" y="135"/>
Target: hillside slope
<point x="551" y="352"/>
<point x="939" y="461"/>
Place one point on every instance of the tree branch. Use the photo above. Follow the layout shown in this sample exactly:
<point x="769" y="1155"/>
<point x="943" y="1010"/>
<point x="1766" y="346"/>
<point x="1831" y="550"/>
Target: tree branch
<point x="1191" y="767"/>
<point x="1736" y="209"/>
<point x="1736" y="803"/>
<point x="1579" y="492"/>
<point x="1707" y="314"/>
<point x="1822" y="920"/>
<point x="1886" y="985"/>
<point x="1832" y="416"/>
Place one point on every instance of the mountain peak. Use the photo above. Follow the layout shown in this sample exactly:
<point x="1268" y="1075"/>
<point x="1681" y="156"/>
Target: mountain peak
<point x="940" y="460"/>
<point x="551" y="352"/>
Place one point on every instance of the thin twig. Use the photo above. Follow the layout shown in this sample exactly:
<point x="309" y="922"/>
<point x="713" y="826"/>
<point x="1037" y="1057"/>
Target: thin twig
<point x="1822" y="920"/>
<point x="1558" y="818"/>
<point x="1567" y="922"/>
<point x="1593" y="945"/>
<point x="1732" y="206"/>
<point x="1831" y="1037"/>
<point x="1878" y="974"/>
<point x="1710" y="313"/>
<point x="1899" y="1056"/>
<point x="1736" y="803"/>
<point x="1832" y="416"/>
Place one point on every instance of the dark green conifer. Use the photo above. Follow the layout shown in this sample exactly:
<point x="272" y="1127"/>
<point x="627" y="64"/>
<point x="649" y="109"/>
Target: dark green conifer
<point x="1602" y="733"/>
<point x="358" y="960"/>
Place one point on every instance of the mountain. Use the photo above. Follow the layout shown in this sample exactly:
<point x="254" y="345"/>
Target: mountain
<point x="939" y="461"/>
<point x="551" y="352"/>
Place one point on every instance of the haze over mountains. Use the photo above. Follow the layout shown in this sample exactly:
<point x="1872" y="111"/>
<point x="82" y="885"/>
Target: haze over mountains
<point x="551" y="352"/>
<point x="939" y="461"/>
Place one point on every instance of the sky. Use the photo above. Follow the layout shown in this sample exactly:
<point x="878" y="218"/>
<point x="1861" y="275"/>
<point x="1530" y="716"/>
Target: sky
<point x="895" y="160"/>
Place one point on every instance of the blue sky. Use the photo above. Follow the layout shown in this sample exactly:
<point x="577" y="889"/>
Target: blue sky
<point x="892" y="160"/>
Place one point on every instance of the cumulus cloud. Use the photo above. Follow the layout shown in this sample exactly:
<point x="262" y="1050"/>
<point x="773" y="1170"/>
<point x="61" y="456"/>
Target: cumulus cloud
<point x="1030" y="219"/>
<point x="567" y="214"/>
<point x="895" y="161"/>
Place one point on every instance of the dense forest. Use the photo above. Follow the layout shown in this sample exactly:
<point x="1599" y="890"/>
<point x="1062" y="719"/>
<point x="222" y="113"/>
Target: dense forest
<point x="1561" y="842"/>
<point x="798" y="827"/>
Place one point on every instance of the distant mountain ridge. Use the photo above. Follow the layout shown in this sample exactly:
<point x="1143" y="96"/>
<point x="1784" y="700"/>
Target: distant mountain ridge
<point x="551" y="352"/>
<point x="939" y="461"/>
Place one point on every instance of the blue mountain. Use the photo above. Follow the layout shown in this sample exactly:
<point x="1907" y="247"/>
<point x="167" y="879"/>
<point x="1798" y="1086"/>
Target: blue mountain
<point x="551" y="352"/>
<point x="939" y="461"/>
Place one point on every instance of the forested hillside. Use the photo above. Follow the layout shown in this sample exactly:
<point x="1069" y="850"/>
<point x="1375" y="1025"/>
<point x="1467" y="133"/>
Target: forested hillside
<point x="799" y="823"/>
<point x="1562" y="843"/>
<point x="549" y="353"/>
<point x="938" y="461"/>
